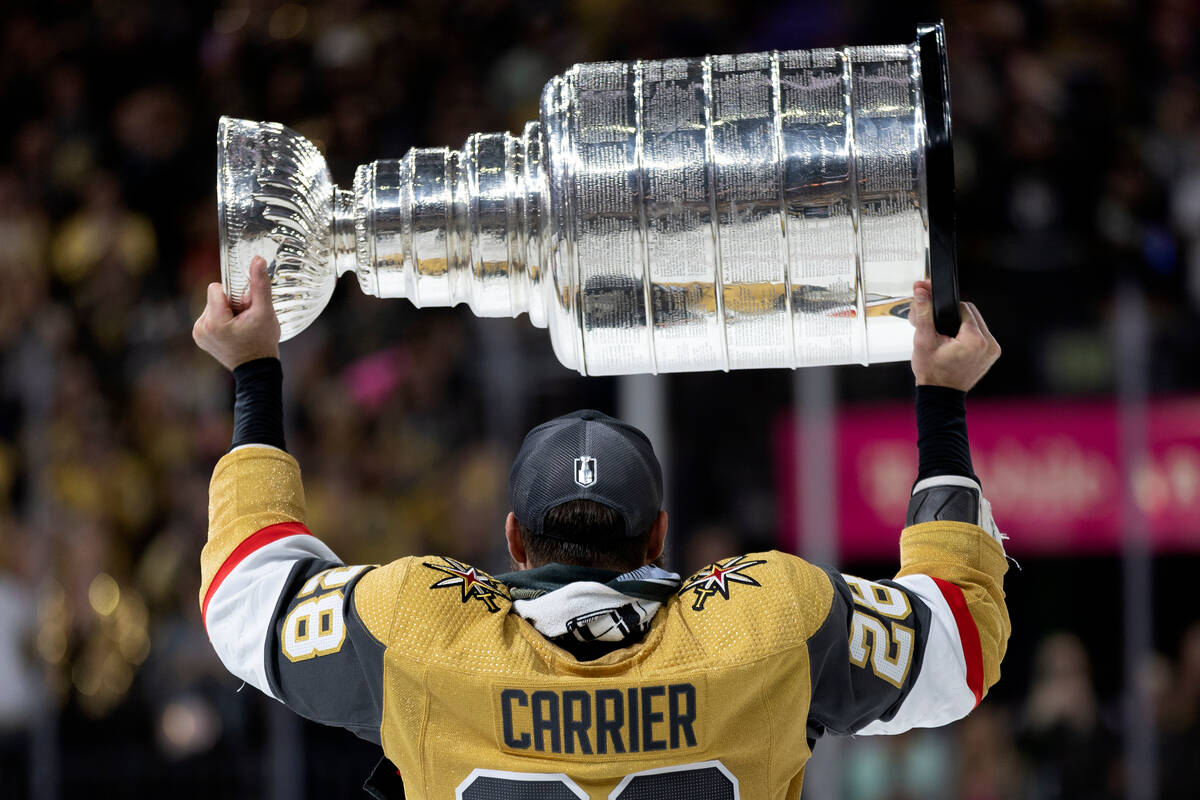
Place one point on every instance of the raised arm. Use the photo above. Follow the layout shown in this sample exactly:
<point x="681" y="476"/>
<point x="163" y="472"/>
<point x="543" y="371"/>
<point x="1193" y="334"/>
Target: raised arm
<point x="922" y="650"/>
<point x="945" y="369"/>
<point x="280" y="608"/>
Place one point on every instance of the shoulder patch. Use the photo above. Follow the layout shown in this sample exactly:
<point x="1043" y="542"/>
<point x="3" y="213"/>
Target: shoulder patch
<point x="716" y="579"/>
<point x="473" y="583"/>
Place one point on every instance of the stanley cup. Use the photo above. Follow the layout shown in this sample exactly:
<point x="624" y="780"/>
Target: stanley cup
<point x="727" y="212"/>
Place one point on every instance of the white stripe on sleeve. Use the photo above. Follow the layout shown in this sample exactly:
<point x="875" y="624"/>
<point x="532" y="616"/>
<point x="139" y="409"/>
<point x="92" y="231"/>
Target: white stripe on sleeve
<point x="940" y="694"/>
<point x="239" y="616"/>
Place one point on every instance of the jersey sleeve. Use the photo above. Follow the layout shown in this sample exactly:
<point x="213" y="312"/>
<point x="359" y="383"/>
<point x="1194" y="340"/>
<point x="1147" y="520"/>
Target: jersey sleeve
<point x="917" y="651"/>
<point x="282" y="611"/>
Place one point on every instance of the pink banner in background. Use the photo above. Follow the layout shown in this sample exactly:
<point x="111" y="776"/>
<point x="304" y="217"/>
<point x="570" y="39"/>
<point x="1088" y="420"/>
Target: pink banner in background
<point x="1051" y="470"/>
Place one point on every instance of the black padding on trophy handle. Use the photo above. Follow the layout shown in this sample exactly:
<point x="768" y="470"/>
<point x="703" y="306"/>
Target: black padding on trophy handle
<point x="939" y="172"/>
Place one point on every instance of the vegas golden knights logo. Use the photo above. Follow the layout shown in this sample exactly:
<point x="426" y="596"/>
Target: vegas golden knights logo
<point x="473" y="583"/>
<point x="716" y="579"/>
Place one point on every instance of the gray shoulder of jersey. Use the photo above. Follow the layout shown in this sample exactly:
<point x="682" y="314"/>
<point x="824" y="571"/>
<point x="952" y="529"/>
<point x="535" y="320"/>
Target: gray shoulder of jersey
<point x="343" y="687"/>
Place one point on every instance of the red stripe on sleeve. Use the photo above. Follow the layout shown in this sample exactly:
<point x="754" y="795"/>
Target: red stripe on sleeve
<point x="968" y="634"/>
<point x="255" y="541"/>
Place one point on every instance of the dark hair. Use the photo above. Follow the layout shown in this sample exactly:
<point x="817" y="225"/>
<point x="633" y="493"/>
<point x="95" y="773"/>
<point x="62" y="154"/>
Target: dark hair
<point x="601" y="527"/>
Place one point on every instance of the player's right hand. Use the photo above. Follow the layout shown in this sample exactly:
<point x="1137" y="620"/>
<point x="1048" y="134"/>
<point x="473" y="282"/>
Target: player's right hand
<point x="957" y="362"/>
<point x="253" y="332"/>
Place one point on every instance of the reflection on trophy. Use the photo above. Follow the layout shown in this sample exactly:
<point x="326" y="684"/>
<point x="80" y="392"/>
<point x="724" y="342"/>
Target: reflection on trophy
<point x="726" y="212"/>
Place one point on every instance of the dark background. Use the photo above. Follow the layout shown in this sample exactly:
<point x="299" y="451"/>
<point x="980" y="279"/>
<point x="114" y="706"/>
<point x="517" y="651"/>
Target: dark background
<point x="1078" y="158"/>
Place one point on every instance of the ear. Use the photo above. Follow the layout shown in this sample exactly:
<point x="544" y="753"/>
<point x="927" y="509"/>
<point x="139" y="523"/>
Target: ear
<point x="516" y="548"/>
<point x="658" y="537"/>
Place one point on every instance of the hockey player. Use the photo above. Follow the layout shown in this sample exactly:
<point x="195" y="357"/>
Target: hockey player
<point x="590" y="672"/>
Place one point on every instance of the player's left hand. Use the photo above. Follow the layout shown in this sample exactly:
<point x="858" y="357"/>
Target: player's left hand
<point x="957" y="362"/>
<point x="233" y="339"/>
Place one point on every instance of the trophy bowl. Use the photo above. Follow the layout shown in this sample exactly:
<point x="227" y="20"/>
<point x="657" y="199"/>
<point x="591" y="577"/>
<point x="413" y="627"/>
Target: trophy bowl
<point x="275" y="199"/>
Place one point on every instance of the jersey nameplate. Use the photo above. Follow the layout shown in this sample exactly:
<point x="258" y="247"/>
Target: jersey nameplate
<point x="600" y="721"/>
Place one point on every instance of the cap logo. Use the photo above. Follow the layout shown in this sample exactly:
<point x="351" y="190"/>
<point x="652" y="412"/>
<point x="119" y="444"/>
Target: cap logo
<point x="585" y="471"/>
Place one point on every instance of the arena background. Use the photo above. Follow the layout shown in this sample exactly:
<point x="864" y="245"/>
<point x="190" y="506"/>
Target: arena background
<point x="1078" y="151"/>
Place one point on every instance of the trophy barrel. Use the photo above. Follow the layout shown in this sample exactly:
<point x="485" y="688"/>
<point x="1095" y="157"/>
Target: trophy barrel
<point x="743" y="211"/>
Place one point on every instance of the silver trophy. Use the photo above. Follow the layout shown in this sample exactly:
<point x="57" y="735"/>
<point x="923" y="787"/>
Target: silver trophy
<point x="727" y="212"/>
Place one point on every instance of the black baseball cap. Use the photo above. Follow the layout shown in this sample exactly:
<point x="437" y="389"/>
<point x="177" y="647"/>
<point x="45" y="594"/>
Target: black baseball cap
<point x="586" y="455"/>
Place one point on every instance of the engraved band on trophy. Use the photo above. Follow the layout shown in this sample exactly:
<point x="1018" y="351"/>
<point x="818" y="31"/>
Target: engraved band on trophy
<point x="727" y="212"/>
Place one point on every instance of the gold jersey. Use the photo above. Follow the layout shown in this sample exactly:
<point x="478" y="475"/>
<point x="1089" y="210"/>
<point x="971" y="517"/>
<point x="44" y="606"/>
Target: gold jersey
<point x="738" y="674"/>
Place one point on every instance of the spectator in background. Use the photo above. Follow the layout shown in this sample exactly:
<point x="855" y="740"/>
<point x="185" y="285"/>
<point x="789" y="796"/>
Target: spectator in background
<point x="1071" y="751"/>
<point x="989" y="767"/>
<point x="21" y="692"/>
<point x="101" y="252"/>
<point x="1180" y="745"/>
<point x="24" y="230"/>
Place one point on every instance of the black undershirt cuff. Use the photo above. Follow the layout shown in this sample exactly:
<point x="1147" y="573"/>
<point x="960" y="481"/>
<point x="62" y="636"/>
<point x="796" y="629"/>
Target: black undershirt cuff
<point x="942" y="433"/>
<point x="258" y="403"/>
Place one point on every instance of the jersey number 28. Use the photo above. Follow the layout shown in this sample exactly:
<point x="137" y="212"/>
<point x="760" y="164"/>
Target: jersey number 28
<point x="884" y="644"/>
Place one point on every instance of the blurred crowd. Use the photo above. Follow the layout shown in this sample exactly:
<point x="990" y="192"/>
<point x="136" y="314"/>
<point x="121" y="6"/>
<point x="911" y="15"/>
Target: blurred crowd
<point x="1077" y="128"/>
<point x="1062" y="741"/>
